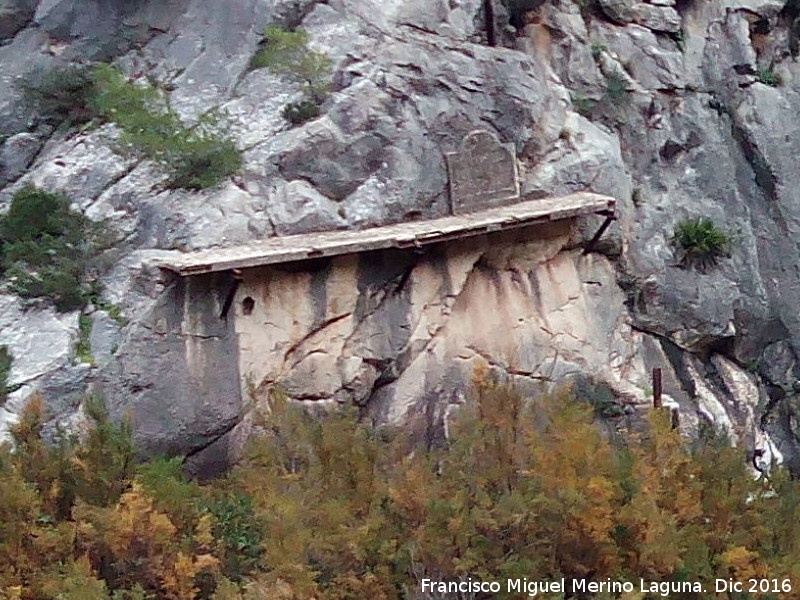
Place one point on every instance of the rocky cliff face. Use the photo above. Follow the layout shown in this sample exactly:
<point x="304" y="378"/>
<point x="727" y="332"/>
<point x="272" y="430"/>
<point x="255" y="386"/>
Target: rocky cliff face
<point x="663" y="104"/>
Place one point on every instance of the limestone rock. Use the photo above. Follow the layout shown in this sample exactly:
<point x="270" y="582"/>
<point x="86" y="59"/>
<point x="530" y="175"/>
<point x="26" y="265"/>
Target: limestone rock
<point x="104" y="338"/>
<point x="651" y="64"/>
<point x="298" y="207"/>
<point x="40" y="339"/>
<point x="16" y="154"/>
<point x="62" y="393"/>
<point x="779" y="366"/>
<point x="621" y="11"/>
<point x="80" y="167"/>
<point x="14" y="15"/>
<point x="189" y="360"/>
<point x="763" y="8"/>
<point x="657" y="18"/>
<point x="41" y="342"/>
<point x="19" y="57"/>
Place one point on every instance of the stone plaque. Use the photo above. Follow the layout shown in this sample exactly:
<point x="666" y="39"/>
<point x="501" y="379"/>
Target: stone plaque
<point x="483" y="173"/>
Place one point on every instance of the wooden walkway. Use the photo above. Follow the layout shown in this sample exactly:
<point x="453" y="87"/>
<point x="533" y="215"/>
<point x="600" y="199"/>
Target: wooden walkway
<point x="410" y="234"/>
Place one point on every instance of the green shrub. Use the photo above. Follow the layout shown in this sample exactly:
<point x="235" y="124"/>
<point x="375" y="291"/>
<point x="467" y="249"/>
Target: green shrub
<point x="767" y="76"/>
<point x="83" y="347"/>
<point x="616" y="88"/>
<point x="45" y="247"/>
<point x="300" y="112"/>
<point x="202" y="157"/>
<point x="700" y="243"/>
<point x="286" y="53"/>
<point x="140" y="111"/>
<point x="583" y="105"/>
<point x="195" y="158"/>
<point x="35" y="214"/>
<point x="61" y="94"/>
<point x="6" y="360"/>
<point x="60" y="282"/>
<point x="597" y="49"/>
<point x="239" y="530"/>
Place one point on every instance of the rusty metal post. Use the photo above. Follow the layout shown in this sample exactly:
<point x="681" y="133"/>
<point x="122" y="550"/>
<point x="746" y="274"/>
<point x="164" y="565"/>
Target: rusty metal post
<point x="657" y="388"/>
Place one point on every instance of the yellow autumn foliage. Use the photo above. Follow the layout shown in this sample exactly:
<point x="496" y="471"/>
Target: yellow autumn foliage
<point x="324" y="507"/>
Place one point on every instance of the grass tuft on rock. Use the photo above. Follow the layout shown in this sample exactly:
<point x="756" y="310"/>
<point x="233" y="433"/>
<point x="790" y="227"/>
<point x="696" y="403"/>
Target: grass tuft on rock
<point x="700" y="243"/>
<point x="768" y="77"/>
<point x="83" y="347"/>
<point x="616" y="88"/>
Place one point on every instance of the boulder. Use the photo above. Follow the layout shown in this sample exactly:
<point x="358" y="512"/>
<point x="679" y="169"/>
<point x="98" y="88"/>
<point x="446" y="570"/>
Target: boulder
<point x="16" y="155"/>
<point x="14" y="15"/>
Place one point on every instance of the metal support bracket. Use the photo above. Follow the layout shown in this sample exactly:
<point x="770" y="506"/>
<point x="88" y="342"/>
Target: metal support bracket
<point x="610" y="216"/>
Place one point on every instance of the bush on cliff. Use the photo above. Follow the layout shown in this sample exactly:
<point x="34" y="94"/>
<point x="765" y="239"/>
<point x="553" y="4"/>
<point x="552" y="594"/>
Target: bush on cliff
<point x="45" y="248"/>
<point x="6" y="360"/>
<point x="61" y="94"/>
<point x="286" y="53"/>
<point x="195" y="158"/>
<point x="700" y="243"/>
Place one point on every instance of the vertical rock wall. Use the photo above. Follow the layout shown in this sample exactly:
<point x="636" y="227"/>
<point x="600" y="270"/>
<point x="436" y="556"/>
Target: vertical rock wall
<point x="671" y="107"/>
<point x="178" y="377"/>
<point x="393" y="331"/>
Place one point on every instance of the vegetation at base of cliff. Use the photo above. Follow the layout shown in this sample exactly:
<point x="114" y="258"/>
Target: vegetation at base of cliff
<point x="325" y="507"/>
<point x="46" y="248"/>
<point x="286" y="53"/>
<point x="195" y="158"/>
<point x="700" y="243"/>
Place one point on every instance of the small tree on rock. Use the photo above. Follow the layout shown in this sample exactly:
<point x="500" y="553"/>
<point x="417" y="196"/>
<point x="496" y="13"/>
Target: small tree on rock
<point x="286" y="53"/>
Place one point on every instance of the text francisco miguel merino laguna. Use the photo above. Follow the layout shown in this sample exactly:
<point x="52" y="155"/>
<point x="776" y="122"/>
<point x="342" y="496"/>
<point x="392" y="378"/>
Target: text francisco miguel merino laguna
<point x="532" y="588"/>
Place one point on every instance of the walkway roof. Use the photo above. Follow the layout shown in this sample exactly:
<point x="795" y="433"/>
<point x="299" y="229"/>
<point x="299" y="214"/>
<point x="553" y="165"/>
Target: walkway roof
<point x="290" y="248"/>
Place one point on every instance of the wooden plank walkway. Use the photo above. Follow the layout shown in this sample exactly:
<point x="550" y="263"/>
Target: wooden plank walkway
<point x="304" y="246"/>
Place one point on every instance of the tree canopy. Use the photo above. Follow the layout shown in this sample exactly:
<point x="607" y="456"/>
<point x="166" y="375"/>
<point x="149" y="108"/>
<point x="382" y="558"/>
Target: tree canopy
<point x="326" y="507"/>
